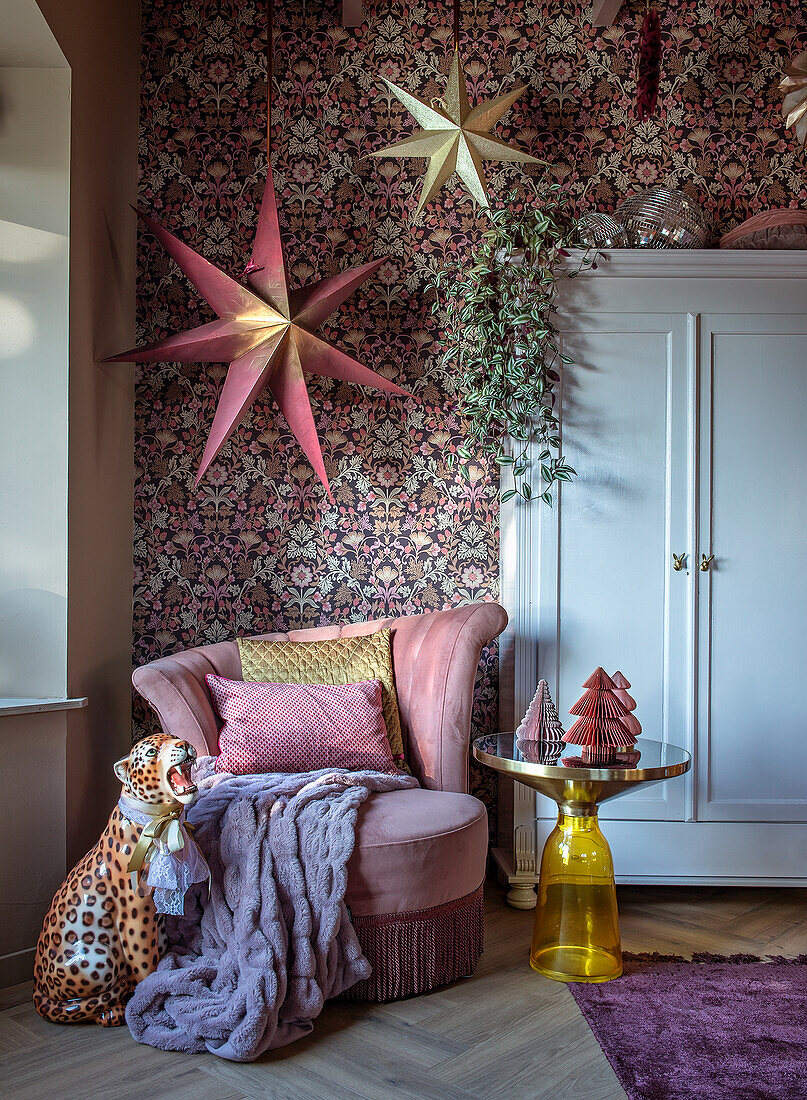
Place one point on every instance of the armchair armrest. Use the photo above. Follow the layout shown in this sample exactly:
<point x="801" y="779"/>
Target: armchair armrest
<point x="174" y="687"/>
<point x="435" y="658"/>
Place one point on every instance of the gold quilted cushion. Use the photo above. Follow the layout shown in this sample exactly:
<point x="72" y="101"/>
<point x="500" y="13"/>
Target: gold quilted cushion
<point x="330" y="661"/>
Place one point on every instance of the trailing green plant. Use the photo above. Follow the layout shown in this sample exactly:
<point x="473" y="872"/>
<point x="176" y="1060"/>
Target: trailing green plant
<point x="501" y="341"/>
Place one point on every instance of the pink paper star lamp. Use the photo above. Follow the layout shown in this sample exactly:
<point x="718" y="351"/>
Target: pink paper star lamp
<point x="265" y="331"/>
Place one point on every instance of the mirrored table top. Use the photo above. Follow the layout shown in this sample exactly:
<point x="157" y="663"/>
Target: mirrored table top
<point x="649" y="760"/>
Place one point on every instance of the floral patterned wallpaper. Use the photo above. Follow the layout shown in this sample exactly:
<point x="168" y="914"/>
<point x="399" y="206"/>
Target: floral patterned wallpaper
<point x="258" y="546"/>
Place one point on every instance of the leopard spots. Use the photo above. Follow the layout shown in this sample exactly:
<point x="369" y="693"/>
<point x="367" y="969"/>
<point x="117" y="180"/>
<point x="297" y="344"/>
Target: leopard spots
<point x="148" y="765"/>
<point x="143" y="774"/>
<point x="99" y="937"/>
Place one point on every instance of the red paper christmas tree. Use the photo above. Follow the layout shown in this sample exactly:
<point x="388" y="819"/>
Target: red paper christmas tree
<point x="598" y="729"/>
<point x="541" y="726"/>
<point x="621" y="684"/>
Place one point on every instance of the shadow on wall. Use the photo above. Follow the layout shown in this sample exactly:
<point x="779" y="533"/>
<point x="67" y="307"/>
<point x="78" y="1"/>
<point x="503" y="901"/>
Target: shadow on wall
<point x="33" y="643"/>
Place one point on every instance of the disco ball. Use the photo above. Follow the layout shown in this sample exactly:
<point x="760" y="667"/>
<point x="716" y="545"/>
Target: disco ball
<point x="600" y="231"/>
<point x="663" y="218"/>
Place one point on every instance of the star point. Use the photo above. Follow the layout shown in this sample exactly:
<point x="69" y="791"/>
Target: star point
<point x="265" y="331"/>
<point x="455" y="136"/>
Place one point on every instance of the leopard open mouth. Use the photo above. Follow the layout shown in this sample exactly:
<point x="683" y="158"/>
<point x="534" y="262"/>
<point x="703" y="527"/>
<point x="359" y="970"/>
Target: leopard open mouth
<point x="179" y="779"/>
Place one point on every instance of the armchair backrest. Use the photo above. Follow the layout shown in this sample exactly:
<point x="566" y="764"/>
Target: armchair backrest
<point x="435" y="658"/>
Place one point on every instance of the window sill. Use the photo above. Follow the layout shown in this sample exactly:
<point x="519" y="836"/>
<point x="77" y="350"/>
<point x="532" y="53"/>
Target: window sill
<point x="38" y="706"/>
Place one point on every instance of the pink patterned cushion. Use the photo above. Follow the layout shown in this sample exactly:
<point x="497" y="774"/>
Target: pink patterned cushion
<point x="299" y="727"/>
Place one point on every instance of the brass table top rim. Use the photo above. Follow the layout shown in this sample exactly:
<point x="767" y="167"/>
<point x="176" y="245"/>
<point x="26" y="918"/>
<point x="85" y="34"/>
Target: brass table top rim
<point x="553" y="771"/>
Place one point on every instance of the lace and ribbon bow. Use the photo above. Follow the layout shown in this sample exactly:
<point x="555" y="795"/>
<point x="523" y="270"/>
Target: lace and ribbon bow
<point x="166" y="846"/>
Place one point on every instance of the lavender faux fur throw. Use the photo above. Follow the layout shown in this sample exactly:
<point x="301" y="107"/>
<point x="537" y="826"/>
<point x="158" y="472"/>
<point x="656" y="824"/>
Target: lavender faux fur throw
<point x="250" y="966"/>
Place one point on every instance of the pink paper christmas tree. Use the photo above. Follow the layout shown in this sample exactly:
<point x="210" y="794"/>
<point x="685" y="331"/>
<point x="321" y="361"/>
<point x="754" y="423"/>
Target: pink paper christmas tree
<point x="541" y="725"/>
<point x="621" y="684"/>
<point x="598" y="729"/>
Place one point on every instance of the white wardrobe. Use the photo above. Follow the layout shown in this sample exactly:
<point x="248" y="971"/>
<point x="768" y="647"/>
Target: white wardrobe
<point x="685" y="415"/>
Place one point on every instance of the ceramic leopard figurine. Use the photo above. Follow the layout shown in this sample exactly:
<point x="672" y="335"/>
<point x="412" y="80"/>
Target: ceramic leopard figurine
<point x="102" y="932"/>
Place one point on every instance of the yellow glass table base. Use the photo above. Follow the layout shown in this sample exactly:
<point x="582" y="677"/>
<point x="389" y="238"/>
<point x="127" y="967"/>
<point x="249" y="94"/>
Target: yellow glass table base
<point x="576" y="930"/>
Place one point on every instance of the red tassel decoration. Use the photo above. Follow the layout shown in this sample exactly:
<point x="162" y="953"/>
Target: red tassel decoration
<point x="649" y="68"/>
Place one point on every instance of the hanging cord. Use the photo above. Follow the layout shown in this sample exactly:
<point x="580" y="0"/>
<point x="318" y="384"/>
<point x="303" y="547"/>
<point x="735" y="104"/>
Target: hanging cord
<point x="456" y="25"/>
<point x="269" y="50"/>
<point x="251" y="265"/>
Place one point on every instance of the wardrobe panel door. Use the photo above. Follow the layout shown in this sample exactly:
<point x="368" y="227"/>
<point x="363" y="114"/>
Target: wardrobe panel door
<point x="752" y="728"/>
<point x="625" y="420"/>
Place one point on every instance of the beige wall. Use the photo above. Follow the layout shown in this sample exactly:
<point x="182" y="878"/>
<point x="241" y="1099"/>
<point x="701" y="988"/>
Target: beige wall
<point x="34" y="262"/>
<point x="101" y="41"/>
<point x="32" y="816"/>
<point x="34" y="265"/>
<point x="56" y="780"/>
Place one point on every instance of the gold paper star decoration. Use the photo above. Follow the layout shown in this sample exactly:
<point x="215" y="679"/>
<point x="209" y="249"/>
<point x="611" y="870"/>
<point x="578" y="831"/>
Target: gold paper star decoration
<point x="794" y="108"/>
<point x="455" y="137"/>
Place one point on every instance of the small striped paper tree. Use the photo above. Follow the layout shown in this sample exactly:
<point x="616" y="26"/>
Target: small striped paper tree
<point x="541" y="725"/>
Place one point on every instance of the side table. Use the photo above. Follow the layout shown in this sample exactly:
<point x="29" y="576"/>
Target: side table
<point x="576" y="931"/>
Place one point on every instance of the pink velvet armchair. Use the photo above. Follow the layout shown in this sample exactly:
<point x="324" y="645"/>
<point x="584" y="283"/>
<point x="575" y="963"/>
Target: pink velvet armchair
<point x="416" y="874"/>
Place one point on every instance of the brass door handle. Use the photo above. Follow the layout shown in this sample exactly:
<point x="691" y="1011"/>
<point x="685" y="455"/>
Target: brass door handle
<point x="706" y="562"/>
<point x="678" y="562"/>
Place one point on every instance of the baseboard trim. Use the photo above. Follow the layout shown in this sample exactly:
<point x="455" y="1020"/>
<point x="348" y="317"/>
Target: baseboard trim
<point x="520" y="882"/>
<point x="17" y="967"/>
<point x="706" y="880"/>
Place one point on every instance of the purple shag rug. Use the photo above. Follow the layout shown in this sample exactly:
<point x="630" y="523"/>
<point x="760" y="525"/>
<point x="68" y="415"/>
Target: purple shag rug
<point x="715" y="1028"/>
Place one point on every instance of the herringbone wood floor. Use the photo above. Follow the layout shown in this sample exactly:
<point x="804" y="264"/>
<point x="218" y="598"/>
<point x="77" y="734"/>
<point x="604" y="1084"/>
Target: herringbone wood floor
<point x="506" y="1032"/>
